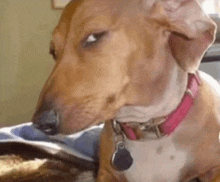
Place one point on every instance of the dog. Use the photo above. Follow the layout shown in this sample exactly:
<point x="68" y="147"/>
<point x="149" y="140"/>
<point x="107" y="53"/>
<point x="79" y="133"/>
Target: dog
<point x="134" y="64"/>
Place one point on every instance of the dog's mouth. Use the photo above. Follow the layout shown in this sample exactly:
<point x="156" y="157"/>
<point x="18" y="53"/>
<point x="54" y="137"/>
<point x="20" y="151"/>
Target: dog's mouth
<point x="67" y="115"/>
<point x="68" y="121"/>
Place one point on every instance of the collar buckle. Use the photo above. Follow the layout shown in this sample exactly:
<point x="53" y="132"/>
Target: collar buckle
<point x="158" y="132"/>
<point x="154" y="127"/>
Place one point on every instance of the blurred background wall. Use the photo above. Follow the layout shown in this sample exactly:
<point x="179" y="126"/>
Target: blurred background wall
<point x="25" y="63"/>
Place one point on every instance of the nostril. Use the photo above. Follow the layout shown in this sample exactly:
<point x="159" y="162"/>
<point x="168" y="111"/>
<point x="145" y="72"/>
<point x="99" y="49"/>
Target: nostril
<point x="48" y="122"/>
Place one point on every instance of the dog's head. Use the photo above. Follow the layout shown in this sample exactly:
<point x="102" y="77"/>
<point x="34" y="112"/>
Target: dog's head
<point x="112" y="53"/>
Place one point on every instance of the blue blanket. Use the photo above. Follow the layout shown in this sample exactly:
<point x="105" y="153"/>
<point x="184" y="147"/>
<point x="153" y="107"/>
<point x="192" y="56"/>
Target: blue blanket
<point x="83" y="145"/>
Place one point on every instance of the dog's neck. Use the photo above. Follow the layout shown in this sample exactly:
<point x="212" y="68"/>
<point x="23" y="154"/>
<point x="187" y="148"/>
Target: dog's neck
<point x="166" y="125"/>
<point x="171" y="99"/>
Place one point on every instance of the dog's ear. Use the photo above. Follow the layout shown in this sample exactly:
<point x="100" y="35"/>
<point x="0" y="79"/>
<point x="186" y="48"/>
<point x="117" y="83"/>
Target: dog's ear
<point x="192" y="31"/>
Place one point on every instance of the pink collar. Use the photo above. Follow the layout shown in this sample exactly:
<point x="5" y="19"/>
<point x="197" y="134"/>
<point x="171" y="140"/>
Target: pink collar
<point x="174" y="119"/>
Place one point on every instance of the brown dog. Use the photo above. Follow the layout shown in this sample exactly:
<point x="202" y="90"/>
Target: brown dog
<point x="130" y="60"/>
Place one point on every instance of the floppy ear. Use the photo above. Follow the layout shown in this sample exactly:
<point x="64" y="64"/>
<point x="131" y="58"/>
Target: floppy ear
<point x="192" y="31"/>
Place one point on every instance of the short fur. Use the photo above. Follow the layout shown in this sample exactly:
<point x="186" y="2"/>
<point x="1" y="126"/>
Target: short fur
<point x="141" y="57"/>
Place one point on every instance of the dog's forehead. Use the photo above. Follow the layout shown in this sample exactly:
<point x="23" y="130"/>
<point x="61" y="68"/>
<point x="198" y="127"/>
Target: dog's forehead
<point x="79" y="11"/>
<point x="93" y="15"/>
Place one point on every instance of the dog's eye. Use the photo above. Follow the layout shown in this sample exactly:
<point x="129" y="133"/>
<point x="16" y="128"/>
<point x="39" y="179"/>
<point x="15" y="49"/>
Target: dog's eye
<point x="53" y="53"/>
<point x="52" y="50"/>
<point x="93" y="38"/>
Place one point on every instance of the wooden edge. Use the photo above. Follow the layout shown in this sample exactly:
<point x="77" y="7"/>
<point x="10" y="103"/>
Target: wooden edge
<point x="54" y="7"/>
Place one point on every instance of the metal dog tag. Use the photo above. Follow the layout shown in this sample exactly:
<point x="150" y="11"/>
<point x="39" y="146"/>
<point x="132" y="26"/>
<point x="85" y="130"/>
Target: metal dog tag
<point x="121" y="159"/>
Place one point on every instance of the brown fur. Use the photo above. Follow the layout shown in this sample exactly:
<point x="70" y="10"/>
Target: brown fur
<point x="147" y="49"/>
<point x="15" y="168"/>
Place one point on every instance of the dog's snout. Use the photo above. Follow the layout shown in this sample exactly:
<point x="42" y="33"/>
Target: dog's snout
<point x="48" y="122"/>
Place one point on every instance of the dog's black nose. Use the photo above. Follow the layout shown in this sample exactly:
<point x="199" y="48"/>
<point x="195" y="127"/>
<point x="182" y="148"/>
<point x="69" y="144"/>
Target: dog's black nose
<point x="48" y="122"/>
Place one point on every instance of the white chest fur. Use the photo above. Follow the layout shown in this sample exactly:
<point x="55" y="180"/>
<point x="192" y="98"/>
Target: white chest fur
<point x="155" y="161"/>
